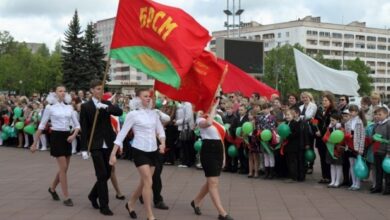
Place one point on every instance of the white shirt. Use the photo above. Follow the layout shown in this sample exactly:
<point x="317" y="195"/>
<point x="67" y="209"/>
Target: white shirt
<point x="146" y="126"/>
<point x="61" y="116"/>
<point x="184" y="114"/>
<point x="95" y="101"/>
<point x="208" y="133"/>
<point x="311" y="110"/>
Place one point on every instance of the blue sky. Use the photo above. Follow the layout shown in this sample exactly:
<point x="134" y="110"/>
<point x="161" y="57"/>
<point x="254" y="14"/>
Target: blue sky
<point x="46" y="20"/>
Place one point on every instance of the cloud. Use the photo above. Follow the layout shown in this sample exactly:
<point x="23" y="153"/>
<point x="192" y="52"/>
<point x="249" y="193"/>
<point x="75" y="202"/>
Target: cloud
<point x="46" y="20"/>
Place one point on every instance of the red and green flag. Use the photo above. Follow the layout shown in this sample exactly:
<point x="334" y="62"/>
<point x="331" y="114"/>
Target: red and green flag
<point x="158" y="40"/>
<point x="199" y="86"/>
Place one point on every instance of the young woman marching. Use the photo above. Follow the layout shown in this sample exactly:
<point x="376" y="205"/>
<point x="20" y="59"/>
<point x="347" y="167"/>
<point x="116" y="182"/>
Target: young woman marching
<point x="212" y="158"/>
<point x="146" y="126"/>
<point x="61" y="115"/>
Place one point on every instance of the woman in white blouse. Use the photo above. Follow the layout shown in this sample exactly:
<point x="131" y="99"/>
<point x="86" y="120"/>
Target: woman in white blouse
<point x="146" y="126"/>
<point x="212" y="158"/>
<point x="61" y="116"/>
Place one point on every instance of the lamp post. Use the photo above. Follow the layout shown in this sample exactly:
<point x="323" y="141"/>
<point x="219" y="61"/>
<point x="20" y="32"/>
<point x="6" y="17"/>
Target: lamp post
<point x="233" y="13"/>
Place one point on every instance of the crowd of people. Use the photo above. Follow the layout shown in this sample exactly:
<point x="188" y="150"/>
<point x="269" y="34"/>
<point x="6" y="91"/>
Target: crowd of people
<point x="167" y="130"/>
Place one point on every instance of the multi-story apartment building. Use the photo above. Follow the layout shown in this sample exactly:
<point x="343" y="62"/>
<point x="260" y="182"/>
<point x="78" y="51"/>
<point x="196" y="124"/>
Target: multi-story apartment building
<point x="334" y="41"/>
<point x="123" y="77"/>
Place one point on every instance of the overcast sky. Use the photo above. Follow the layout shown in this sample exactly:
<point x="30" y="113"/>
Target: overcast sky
<point x="46" y="20"/>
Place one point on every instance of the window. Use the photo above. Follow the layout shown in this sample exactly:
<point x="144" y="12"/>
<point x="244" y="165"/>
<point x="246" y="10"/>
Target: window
<point x="312" y="33"/>
<point x="371" y="38"/>
<point x="360" y="45"/>
<point x="324" y="34"/>
<point x="360" y="37"/>
<point x="371" y="46"/>
<point x="348" y="45"/>
<point x="349" y="36"/>
<point x="279" y="35"/>
<point x="288" y="35"/>
<point x="382" y="39"/>
<point x="324" y="43"/>
<point x="257" y="37"/>
<point x="337" y="35"/>
<point x="381" y="47"/>
<point x="139" y="77"/>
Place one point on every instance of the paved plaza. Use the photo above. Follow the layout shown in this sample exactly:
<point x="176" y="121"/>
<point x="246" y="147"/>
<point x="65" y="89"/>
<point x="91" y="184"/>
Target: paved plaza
<point x="25" y="178"/>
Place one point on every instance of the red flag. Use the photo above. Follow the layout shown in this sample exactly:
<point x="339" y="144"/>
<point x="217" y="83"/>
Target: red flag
<point x="199" y="85"/>
<point x="160" y="41"/>
<point x="236" y="80"/>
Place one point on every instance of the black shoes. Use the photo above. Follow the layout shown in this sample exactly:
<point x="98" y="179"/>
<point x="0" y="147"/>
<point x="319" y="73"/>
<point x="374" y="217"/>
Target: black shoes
<point x="106" y="211"/>
<point x="226" y="217"/>
<point x="196" y="208"/>
<point x="68" y="202"/>
<point x="132" y="214"/>
<point x="375" y="190"/>
<point x="122" y="197"/>
<point x="94" y="202"/>
<point x="54" y="195"/>
<point x="161" y="205"/>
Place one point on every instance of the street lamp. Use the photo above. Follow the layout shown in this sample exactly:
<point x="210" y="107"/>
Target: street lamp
<point x="233" y="13"/>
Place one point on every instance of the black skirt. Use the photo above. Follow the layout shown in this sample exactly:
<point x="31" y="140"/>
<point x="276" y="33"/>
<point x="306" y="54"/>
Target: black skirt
<point x="145" y="158"/>
<point x="211" y="157"/>
<point x="59" y="146"/>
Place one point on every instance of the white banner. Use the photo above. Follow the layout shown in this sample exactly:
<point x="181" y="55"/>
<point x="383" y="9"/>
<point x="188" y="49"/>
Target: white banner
<point x="314" y="75"/>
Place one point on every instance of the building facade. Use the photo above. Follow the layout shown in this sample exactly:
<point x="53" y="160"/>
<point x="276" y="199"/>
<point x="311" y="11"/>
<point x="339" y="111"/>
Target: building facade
<point x="334" y="41"/>
<point x="123" y="77"/>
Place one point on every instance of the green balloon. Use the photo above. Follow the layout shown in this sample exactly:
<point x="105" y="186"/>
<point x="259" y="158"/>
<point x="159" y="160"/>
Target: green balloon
<point x="227" y="127"/>
<point x="238" y="132"/>
<point x="336" y="137"/>
<point x="4" y="128"/>
<point x="4" y="136"/>
<point x="158" y="103"/>
<point x="232" y="151"/>
<point x="386" y="165"/>
<point x="29" y="129"/>
<point x="360" y="168"/>
<point x="197" y="132"/>
<point x="266" y="135"/>
<point x="284" y="130"/>
<point x="13" y="132"/>
<point x="198" y="145"/>
<point x="310" y="156"/>
<point x="247" y="128"/>
<point x="19" y="125"/>
<point x="17" y="112"/>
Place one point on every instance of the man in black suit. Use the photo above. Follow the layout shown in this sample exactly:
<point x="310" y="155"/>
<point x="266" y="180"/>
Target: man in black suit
<point x="238" y="122"/>
<point x="102" y="142"/>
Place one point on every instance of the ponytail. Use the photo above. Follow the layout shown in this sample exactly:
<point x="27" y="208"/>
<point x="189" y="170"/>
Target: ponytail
<point x="362" y="116"/>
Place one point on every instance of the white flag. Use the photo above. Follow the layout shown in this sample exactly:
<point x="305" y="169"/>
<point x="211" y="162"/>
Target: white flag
<point x="314" y="75"/>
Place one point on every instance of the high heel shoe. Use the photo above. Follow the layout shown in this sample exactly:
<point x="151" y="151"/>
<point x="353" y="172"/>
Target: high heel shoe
<point x="132" y="214"/>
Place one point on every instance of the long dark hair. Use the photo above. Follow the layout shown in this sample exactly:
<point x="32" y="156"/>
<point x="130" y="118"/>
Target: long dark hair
<point x="331" y="99"/>
<point x="355" y="108"/>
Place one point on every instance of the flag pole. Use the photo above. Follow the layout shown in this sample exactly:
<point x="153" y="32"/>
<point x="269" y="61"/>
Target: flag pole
<point x="97" y="110"/>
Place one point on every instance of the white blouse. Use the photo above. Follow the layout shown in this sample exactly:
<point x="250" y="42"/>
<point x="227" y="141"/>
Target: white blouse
<point x="208" y="133"/>
<point x="61" y="116"/>
<point x="146" y="126"/>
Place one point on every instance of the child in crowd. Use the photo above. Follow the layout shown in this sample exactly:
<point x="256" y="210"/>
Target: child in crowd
<point x="295" y="144"/>
<point x="267" y="121"/>
<point x="334" y="156"/>
<point x="382" y="128"/>
<point x="253" y="148"/>
<point x="230" y="117"/>
<point x="355" y="127"/>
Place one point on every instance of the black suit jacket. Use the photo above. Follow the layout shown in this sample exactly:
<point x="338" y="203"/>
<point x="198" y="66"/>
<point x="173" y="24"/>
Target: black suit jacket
<point x="103" y="129"/>
<point x="298" y="138"/>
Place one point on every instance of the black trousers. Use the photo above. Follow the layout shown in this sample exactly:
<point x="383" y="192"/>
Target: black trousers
<point x="188" y="152"/>
<point x="346" y="166"/>
<point x="244" y="162"/>
<point x="292" y="164"/>
<point x="378" y="158"/>
<point x="157" y="184"/>
<point x="322" y="150"/>
<point x="101" y="159"/>
<point x="172" y="134"/>
<point x="301" y="165"/>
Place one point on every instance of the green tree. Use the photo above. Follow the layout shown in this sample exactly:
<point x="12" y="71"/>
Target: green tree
<point x="363" y="72"/>
<point x="74" y="75"/>
<point x="280" y="71"/>
<point x="93" y="53"/>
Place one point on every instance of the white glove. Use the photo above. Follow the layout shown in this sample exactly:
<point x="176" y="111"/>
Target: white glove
<point x="84" y="155"/>
<point x="101" y="106"/>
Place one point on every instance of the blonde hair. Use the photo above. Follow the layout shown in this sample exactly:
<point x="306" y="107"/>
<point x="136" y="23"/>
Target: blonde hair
<point x="308" y="94"/>
<point x="375" y="95"/>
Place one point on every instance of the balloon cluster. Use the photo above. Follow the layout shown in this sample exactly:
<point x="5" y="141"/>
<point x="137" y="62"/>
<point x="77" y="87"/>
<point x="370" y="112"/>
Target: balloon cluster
<point x="7" y="132"/>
